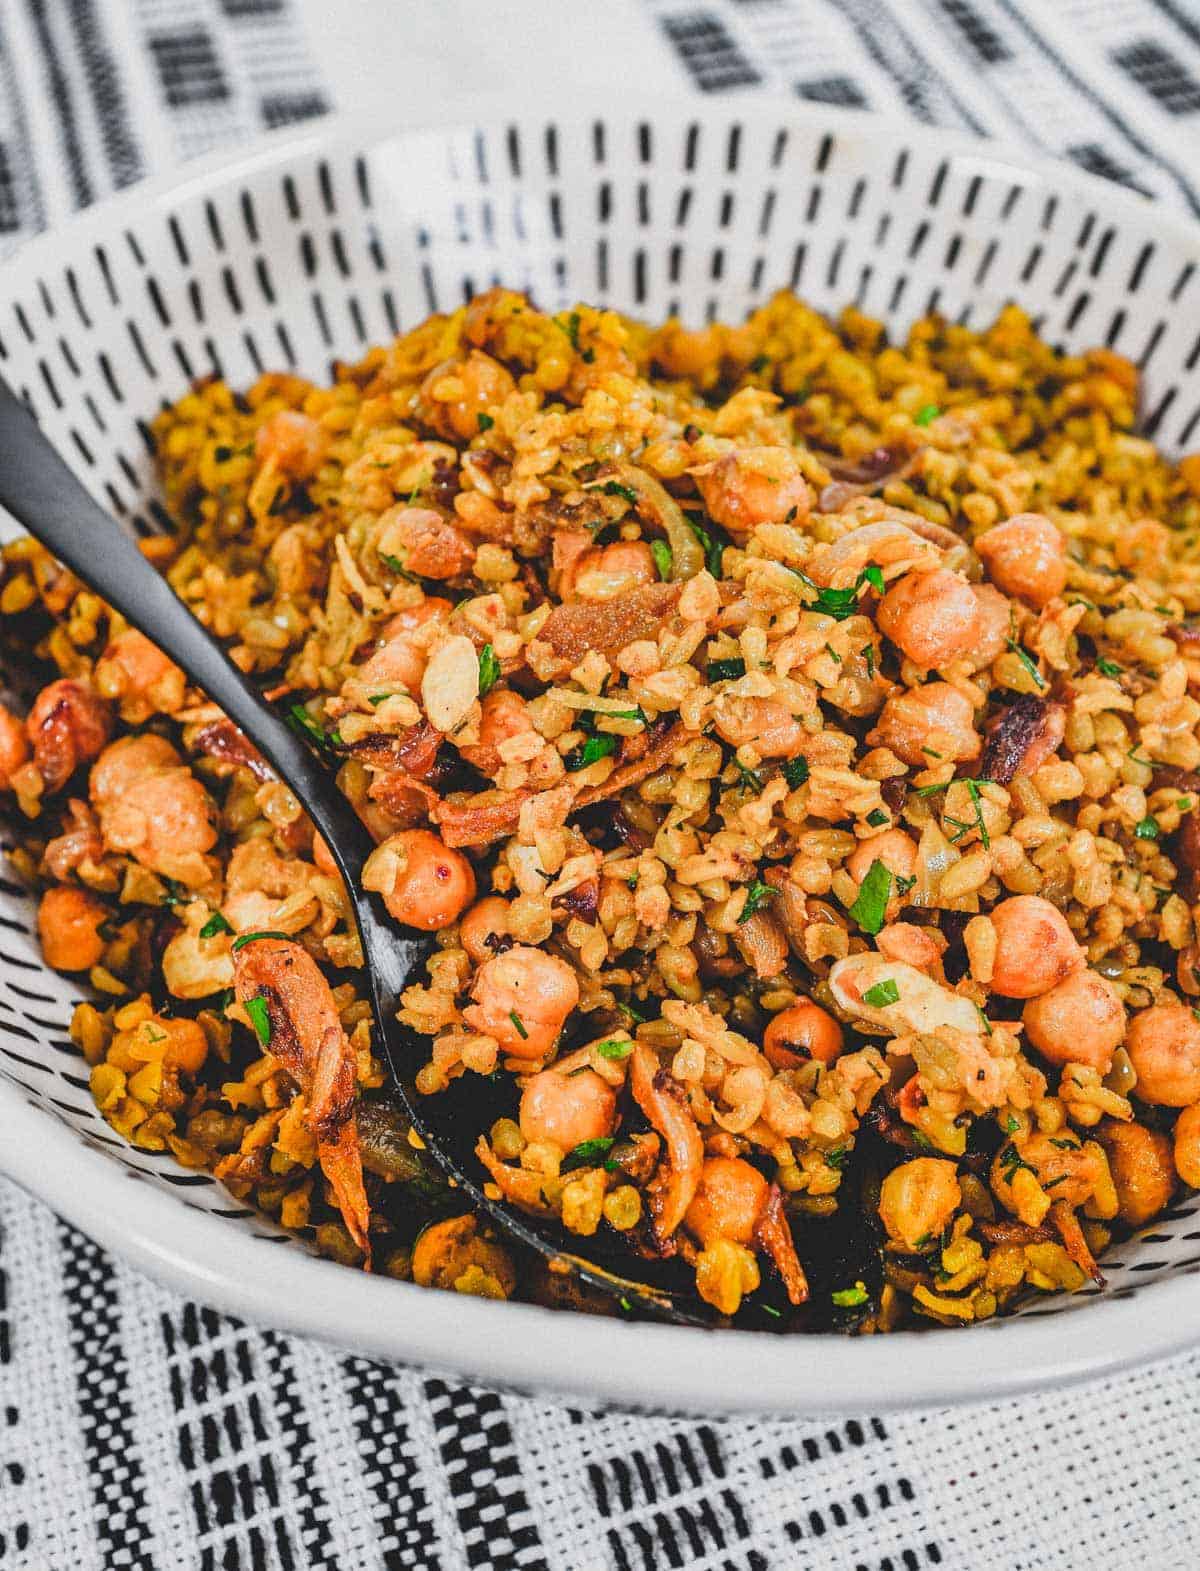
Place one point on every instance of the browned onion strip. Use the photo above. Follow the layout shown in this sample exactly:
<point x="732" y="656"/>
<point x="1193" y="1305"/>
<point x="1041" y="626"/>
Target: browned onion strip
<point x="656" y="504"/>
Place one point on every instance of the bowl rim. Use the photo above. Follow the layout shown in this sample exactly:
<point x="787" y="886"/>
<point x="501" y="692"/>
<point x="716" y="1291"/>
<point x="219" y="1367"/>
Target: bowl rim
<point x="598" y="1359"/>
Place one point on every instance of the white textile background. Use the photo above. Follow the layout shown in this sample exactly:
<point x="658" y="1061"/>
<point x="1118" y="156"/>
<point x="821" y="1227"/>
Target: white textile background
<point x="138" y="1430"/>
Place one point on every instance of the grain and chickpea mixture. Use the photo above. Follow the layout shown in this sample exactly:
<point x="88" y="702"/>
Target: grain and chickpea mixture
<point x="792" y="738"/>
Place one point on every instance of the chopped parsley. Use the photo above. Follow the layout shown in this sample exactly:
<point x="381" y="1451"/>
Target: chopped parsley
<point x="877" y="818"/>
<point x="520" y="1025"/>
<point x="795" y="771"/>
<point x="594" y="748"/>
<point x="851" y="1297"/>
<point x="769" y="1309"/>
<point x="755" y="895"/>
<point x="634" y="1015"/>
<point x="489" y="670"/>
<point x="661" y="552"/>
<point x="926" y="415"/>
<point x="303" y="724"/>
<point x="903" y="885"/>
<point x="759" y="363"/>
<point x="614" y="1048"/>
<point x="872" y="898"/>
<point x="837" y="1157"/>
<point x="841" y="603"/>
<point x="397" y="566"/>
<point x="747" y="780"/>
<point x="726" y="670"/>
<point x="1108" y="668"/>
<point x="871" y="574"/>
<point x="1011" y="1124"/>
<point x="625" y="492"/>
<point x="379" y="698"/>
<point x="215" y="924"/>
<point x="570" y="328"/>
<point x="485" y="422"/>
<point x="869" y="656"/>
<point x="984" y="1021"/>
<point x="882" y="994"/>
<point x="586" y="1152"/>
<point x="256" y="1008"/>
<point x="1065" y="1145"/>
<point x="249" y="938"/>
<point x="1148" y="828"/>
<point x="1011" y="1163"/>
<point x="712" y="547"/>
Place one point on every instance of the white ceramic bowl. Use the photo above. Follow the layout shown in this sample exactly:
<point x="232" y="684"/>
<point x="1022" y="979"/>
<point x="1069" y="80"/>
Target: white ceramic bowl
<point x="315" y="246"/>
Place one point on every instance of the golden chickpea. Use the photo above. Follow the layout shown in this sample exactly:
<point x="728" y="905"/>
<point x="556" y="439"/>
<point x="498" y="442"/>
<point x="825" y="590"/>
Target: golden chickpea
<point x="566" y="1110"/>
<point x="993" y="625"/>
<point x="606" y="572"/>
<point x="800" y="1034"/>
<point x="187" y="1045"/>
<point x="522" y="998"/>
<point x="1064" y="1167"/>
<point x="918" y="1199"/>
<point x="905" y="941"/>
<point x="728" y="1202"/>
<point x="1026" y="556"/>
<point x="1035" y="949"/>
<point x="755" y="485"/>
<point x="765" y="722"/>
<point x="67" y="726"/>
<point x="426" y="543"/>
<point x="1080" y="1021"/>
<point x="928" y="725"/>
<point x="138" y="673"/>
<point x="428" y="884"/>
<point x="1163" y="1043"/>
<point x="68" y="923"/>
<point x="932" y="617"/>
<point x="14" y="747"/>
<point x="896" y="850"/>
<point x="447" y="1250"/>
<point x="1187" y="1146"/>
<point x="486" y="920"/>
<point x="503" y="716"/>
<point x="1142" y="1165"/>
<point x="295" y="442"/>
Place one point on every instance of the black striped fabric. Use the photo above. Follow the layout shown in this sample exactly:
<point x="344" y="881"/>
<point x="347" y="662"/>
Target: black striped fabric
<point x="141" y="1431"/>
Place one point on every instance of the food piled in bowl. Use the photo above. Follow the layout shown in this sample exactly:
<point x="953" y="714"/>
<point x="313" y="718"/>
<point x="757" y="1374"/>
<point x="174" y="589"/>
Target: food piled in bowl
<point x="790" y="737"/>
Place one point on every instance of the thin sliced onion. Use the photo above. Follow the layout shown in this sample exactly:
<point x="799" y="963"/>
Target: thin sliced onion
<point x="658" y="506"/>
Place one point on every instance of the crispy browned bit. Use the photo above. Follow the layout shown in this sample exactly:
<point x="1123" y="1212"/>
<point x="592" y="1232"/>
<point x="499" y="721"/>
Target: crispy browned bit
<point x="609" y="625"/>
<point x="583" y="901"/>
<point x="222" y="740"/>
<point x="664" y="1102"/>
<point x="761" y="943"/>
<point x="67" y="726"/>
<point x="666" y="736"/>
<point x="862" y="476"/>
<point x="480" y="819"/>
<point x="1012" y="1232"/>
<point x="775" y="1236"/>
<point x="411" y="802"/>
<point x="414" y="751"/>
<point x="1022" y="737"/>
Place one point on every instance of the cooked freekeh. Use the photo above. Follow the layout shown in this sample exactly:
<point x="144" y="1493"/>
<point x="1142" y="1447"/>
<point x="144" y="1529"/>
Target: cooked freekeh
<point x="792" y="739"/>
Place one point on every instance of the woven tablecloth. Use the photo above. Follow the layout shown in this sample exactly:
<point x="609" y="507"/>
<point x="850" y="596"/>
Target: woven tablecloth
<point x="140" y="1430"/>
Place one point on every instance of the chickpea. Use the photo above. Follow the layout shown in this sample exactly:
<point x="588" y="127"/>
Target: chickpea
<point x="993" y="625"/>
<point x="323" y="857"/>
<point x="801" y="1033"/>
<point x="768" y="724"/>
<point x="1163" y="1043"/>
<point x="398" y="659"/>
<point x="154" y="809"/>
<point x="68" y="926"/>
<point x="896" y="850"/>
<point x="918" y="1199"/>
<point x="1080" y="1021"/>
<point x="504" y="715"/>
<point x="522" y="998"/>
<point x="479" y="383"/>
<point x="567" y="1109"/>
<point x="1064" y="1167"/>
<point x="1026" y="556"/>
<point x="446" y="1251"/>
<point x="14" y="747"/>
<point x="606" y="572"/>
<point x="425" y="543"/>
<point x="488" y="920"/>
<point x="423" y="882"/>
<point x="136" y="672"/>
<point x="755" y="485"/>
<point x="187" y="1045"/>
<point x="927" y="725"/>
<point x="1142" y="1165"/>
<point x="295" y="442"/>
<point x="933" y="617"/>
<point x="1035" y="949"/>
<point x="728" y="1202"/>
<point x="68" y="726"/>
<point x="1187" y="1146"/>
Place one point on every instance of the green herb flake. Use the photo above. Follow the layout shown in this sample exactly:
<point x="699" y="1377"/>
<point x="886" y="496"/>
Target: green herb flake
<point x="520" y="1025"/>
<point x="625" y="492"/>
<point x="869" y="656"/>
<point x="747" y="779"/>
<point x="882" y="994"/>
<point x="924" y="1241"/>
<point x="903" y="885"/>
<point x="250" y="938"/>
<point x="596" y="747"/>
<point x="769" y="1309"/>
<point x="877" y="818"/>
<point x="1011" y="1125"/>
<point x="984" y="1021"/>
<point x="1108" y="668"/>
<point x="837" y="1157"/>
<point x="870" y="904"/>
<point x="215" y="924"/>
<point x="1027" y="661"/>
<point x="302" y="722"/>
<point x="663" y="559"/>
<point x="1147" y="828"/>
<point x="922" y="1141"/>
<point x="795" y="771"/>
<point x="851" y="1297"/>
<point x="614" y="1048"/>
<point x="973" y="793"/>
<point x="1065" y="1145"/>
<point x="484" y="422"/>
<point x="1052" y="1183"/>
<point x="634" y="1015"/>
<point x="625" y="1305"/>
<point x="489" y="670"/>
<point x="379" y="698"/>
<point x="926" y="415"/>
<point x="586" y="1152"/>
<point x="726" y="670"/>
<point x="755" y="895"/>
<point x="872" y="574"/>
<point x="256" y="1008"/>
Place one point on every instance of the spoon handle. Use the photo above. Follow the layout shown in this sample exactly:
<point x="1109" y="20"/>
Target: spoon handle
<point x="39" y="489"/>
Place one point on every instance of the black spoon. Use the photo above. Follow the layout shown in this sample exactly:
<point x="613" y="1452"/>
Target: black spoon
<point x="43" y="493"/>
